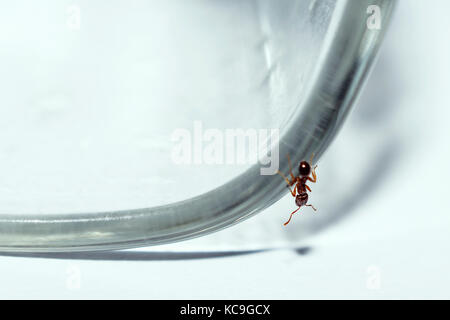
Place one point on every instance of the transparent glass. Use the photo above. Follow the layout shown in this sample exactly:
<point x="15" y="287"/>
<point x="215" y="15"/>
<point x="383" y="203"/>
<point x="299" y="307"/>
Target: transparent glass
<point x="92" y="93"/>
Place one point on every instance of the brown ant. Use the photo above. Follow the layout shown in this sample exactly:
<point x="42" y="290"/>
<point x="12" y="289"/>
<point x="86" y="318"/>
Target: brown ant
<point x="299" y="183"/>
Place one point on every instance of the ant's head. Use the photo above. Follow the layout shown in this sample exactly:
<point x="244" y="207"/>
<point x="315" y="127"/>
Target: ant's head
<point x="304" y="169"/>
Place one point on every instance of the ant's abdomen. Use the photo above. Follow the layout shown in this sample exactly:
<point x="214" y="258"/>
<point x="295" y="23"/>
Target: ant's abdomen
<point x="301" y="199"/>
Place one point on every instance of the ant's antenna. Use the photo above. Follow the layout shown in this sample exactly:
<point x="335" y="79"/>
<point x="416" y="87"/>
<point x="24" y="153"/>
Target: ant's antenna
<point x="311" y="159"/>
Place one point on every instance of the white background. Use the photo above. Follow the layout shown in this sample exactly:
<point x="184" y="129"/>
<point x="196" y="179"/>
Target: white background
<point x="393" y="243"/>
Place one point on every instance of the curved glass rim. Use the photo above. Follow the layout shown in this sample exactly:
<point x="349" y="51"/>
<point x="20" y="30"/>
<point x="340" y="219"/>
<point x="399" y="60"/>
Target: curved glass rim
<point x="348" y="53"/>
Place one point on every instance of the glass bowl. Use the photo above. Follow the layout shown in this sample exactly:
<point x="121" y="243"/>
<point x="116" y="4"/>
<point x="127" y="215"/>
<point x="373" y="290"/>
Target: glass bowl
<point x="96" y="94"/>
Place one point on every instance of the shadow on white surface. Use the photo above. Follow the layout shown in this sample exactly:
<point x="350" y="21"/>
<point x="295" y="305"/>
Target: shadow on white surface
<point x="143" y="255"/>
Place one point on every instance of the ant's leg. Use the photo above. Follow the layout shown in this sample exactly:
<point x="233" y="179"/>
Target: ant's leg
<point x="284" y="177"/>
<point x="310" y="205"/>
<point x="307" y="188"/>
<point x="314" y="178"/>
<point x="293" y="192"/>
<point x="290" y="217"/>
<point x="294" y="179"/>
<point x="290" y="168"/>
<point x="288" y="183"/>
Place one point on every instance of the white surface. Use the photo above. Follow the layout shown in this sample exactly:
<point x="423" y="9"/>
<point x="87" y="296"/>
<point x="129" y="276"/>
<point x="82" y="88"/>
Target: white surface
<point x="393" y="241"/>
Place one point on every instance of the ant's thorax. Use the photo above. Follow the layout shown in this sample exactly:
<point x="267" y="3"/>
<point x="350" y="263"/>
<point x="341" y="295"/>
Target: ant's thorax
<point x="301" y="184"/>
